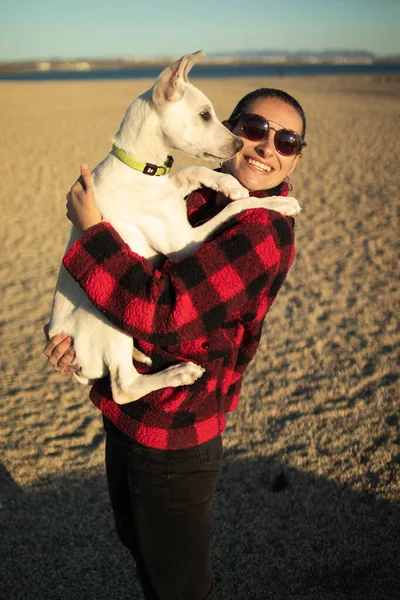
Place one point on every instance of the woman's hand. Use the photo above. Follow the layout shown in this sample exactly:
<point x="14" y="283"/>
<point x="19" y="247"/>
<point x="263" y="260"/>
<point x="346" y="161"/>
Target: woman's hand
<point x="82" y="210"/>
<point x="59" y="350"/>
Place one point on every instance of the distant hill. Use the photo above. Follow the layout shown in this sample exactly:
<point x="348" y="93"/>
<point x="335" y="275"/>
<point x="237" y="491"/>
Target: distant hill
<point x="298" y="54"/>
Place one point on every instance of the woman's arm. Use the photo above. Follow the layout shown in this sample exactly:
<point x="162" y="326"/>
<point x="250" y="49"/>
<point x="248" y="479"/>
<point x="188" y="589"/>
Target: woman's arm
<point x="189" y="297"/>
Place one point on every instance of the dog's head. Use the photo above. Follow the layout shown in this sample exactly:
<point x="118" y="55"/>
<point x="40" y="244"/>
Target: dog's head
<point x="187" y="117"/>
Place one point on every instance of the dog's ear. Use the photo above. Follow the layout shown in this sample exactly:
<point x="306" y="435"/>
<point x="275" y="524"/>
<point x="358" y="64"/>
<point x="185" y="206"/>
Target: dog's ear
<point x="170" y="85"/>
<point x="185" y="63"/>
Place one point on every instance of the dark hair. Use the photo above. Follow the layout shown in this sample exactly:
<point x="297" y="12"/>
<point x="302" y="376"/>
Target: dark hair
<point x="268" y="93"/>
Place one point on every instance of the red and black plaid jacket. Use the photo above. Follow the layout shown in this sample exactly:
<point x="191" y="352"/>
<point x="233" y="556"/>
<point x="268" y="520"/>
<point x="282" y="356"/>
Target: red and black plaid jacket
<point x="207" y="308"/>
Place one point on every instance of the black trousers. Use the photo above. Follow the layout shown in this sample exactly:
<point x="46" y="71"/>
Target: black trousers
<point x="162" y="502"/>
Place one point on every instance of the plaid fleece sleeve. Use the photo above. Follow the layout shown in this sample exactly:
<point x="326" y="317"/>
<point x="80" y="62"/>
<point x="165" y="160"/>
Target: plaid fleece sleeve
<point x="190" y="297"/>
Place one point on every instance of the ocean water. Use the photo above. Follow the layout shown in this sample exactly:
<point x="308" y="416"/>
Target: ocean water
<point x="220" y="71"/>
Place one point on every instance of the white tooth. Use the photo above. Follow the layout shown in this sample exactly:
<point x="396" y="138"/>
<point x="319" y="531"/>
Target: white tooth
<point x="259" y="165"/>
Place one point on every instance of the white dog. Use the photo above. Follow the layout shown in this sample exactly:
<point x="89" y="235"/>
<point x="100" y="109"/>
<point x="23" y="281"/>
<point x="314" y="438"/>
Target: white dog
<point x="150" y="214"/>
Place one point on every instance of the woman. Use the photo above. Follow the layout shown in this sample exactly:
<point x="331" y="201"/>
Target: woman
<point x="164" y="452"/>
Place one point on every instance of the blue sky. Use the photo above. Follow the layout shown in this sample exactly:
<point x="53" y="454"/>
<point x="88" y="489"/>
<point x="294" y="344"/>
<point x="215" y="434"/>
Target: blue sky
<point x="39" y="29"/>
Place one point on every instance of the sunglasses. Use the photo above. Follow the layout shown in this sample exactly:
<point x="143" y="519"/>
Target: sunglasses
<point x="256" y="129"/>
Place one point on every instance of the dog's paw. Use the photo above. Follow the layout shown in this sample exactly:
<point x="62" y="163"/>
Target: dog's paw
<point x="231" y="188"/>
<point x="182" y="374"/>
<point x="287" y="206"/>
<point x="293" y="208"/>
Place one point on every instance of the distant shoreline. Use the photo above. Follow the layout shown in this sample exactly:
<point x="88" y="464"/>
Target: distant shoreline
<point x="85" y="65"/>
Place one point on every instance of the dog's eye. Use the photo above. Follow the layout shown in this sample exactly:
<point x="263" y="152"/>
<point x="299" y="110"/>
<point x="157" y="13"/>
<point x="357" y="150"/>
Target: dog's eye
<point x="206" y="116"/>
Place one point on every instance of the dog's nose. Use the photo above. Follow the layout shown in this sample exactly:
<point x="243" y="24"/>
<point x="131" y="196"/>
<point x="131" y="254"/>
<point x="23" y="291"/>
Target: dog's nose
<point x="238" y="145"/>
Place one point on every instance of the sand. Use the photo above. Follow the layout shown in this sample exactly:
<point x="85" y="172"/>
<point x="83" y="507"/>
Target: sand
<point x="307" y="504"/>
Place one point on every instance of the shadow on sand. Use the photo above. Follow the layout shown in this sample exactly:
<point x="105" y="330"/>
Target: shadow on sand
<point x="279" y="534"/>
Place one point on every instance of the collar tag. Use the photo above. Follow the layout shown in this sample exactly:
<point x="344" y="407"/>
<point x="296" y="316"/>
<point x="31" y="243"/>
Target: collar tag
<point x="150" y="169"/>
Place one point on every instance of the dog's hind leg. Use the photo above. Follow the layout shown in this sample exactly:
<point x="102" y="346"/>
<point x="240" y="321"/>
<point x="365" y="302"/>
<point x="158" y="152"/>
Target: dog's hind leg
<point x="128" y="385"/>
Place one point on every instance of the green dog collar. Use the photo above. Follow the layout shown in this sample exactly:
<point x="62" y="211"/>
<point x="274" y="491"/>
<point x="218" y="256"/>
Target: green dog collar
<point x="146" y="168"/>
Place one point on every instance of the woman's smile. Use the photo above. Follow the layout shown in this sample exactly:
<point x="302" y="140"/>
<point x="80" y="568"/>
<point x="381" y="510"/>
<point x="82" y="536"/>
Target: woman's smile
<point x="257" y="165"/>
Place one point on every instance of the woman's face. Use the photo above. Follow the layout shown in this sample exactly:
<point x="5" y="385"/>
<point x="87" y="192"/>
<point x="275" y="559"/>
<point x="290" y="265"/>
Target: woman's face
<point x="258" y="165"/>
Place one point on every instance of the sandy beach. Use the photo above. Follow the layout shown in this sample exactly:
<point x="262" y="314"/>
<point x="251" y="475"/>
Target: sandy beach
<point x="307" y="506"/>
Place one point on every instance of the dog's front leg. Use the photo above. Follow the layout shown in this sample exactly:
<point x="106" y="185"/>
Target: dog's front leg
<point x="285" y="205"/>
<point x="196" y="236"/>
<point x="188" y="179"/>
